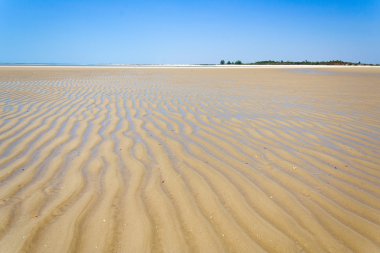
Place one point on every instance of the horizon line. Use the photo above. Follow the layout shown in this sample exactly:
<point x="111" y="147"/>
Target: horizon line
<point x="257" y="63"/>
<point x="204" y="66"/>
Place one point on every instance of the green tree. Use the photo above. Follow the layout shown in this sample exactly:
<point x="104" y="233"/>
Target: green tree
<point x="228" y="62"/>
<point x="222" y="62"/>
<point x="238" y="62"/>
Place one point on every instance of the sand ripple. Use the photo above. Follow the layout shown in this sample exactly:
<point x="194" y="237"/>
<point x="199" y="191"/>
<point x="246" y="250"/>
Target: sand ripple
<point x="189" y="160"/>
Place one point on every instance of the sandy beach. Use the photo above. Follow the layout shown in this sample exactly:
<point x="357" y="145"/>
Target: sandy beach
<point x="189" y="159"/>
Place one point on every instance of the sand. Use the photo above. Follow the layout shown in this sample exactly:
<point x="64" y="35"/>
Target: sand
<point x="189" y="159"/>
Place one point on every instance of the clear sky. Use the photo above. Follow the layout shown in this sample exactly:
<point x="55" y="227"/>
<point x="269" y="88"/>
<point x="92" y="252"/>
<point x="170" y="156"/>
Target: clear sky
<point x="180" y="32"/>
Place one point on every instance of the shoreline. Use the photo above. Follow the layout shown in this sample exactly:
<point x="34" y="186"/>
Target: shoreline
<point x="190" y="66"/>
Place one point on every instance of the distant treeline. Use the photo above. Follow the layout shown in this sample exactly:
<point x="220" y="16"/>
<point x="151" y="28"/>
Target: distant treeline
<point x="270" y="62"/>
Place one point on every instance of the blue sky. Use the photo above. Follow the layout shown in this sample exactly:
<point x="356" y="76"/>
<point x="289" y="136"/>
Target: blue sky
<point x="180" y="32"/>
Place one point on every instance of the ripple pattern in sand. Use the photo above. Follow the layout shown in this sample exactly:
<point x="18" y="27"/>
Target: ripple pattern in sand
<point x="180" y="161"/>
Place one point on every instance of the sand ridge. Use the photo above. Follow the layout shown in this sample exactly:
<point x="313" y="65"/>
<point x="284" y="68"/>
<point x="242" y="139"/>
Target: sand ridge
<point x="189" y="160"/>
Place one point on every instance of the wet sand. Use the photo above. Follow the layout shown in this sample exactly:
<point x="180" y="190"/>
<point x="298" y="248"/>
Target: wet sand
<point x="189" y="159"/>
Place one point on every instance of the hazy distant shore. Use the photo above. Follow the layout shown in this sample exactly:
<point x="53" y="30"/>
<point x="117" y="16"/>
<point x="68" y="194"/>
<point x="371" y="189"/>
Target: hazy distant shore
<point x="126" y="66"/>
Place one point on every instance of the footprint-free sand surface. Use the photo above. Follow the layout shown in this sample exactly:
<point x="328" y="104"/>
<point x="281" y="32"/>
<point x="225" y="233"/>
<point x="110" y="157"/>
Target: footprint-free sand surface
<point x="189" y="159"/>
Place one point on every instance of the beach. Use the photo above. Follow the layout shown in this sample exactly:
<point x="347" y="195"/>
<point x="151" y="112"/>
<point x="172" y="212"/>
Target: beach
<point x="189" y="159"/>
